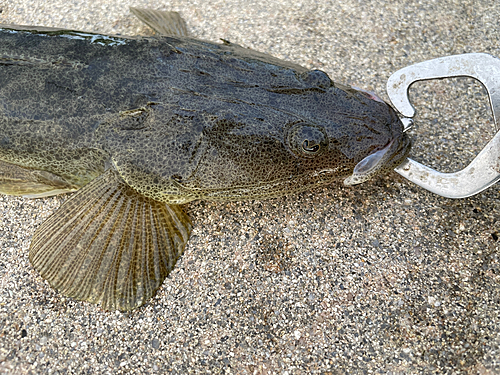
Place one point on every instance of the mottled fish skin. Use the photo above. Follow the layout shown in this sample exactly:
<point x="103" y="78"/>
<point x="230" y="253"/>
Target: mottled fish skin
<point x="165" y="119"/>
<point x="179" y="118"/>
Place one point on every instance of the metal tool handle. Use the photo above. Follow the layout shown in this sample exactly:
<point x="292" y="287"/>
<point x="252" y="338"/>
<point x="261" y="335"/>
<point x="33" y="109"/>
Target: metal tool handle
<point x="484" y="170"/>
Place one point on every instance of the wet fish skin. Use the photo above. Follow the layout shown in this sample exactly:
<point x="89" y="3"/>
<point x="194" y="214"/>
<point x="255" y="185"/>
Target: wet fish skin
<point x="91" y="98"/>
<point x="167" y="119"/>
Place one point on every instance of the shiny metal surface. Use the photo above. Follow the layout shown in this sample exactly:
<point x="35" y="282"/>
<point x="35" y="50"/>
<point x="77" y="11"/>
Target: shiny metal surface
<point x="484" y="170"/>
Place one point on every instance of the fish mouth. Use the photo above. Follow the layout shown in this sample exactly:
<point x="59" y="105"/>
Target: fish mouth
<point x="401" y="152"/>
<point x="387" y="158"/>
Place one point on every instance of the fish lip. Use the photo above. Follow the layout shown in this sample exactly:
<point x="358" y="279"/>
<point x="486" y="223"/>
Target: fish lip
<point x="403" y="145"/>
<point x="398" y="151"/>
<point x="388" y="158"/>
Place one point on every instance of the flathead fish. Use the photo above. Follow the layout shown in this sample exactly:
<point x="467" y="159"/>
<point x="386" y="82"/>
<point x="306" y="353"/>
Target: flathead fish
<point x="138" y="126"/>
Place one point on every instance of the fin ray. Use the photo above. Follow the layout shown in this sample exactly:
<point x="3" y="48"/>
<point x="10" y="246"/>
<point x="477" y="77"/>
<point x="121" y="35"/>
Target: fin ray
<point x="164" y="23"/>
<point x="31" y="183"/>
<point x="107" y="244"/>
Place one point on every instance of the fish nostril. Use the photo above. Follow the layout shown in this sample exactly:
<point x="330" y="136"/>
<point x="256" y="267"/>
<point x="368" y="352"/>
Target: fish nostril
<point x="316" y="78"/>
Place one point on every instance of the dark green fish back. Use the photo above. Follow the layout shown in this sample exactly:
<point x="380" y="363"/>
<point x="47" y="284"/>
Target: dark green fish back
<point x="178" y="117"/>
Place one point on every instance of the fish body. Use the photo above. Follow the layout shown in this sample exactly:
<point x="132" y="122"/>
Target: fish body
<point x="141" y="125"/>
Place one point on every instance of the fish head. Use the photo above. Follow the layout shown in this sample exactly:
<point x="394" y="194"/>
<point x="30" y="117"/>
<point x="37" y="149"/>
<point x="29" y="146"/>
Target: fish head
<point x="265" y="135"/>
<point x="346" y="132"/>
<point x="294" y="136"/>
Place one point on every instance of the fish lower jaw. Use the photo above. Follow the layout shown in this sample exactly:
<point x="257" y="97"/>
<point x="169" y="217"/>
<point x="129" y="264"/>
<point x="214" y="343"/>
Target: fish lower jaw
<point x="387" y="158"/>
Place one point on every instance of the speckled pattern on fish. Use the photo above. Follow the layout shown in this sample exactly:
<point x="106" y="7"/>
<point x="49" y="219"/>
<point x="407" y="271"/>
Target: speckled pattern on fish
<point x="137" y="123"/>
<point x="380" y="278"/>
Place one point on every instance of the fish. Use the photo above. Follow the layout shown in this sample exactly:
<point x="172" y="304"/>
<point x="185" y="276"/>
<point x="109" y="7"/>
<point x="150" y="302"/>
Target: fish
<point x="139" y="126"/>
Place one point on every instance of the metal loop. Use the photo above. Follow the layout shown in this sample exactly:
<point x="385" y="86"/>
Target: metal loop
<point x="484" y="170"/>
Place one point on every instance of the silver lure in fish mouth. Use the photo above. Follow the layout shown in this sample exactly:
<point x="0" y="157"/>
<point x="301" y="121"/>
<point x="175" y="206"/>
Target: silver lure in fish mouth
<point x="387" y="158"/>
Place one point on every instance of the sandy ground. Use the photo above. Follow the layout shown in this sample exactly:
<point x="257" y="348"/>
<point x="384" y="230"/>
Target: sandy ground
<point x="379" y="278"/>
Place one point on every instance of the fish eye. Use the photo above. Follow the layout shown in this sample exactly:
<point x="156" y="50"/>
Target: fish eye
<point x="310" y="147"/>
<point x="306" y="140"/>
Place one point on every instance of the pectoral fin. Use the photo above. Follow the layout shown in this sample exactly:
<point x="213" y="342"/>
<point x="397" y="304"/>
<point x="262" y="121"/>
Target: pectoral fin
<point x="31" y="183"/>
<point x="164" y="23"/>
<point x="107" y="244"/>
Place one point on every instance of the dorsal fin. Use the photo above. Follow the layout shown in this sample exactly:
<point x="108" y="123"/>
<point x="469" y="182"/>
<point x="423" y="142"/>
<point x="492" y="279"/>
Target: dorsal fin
<point x="164" y="23"/>
<point x="107" y="244"/>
